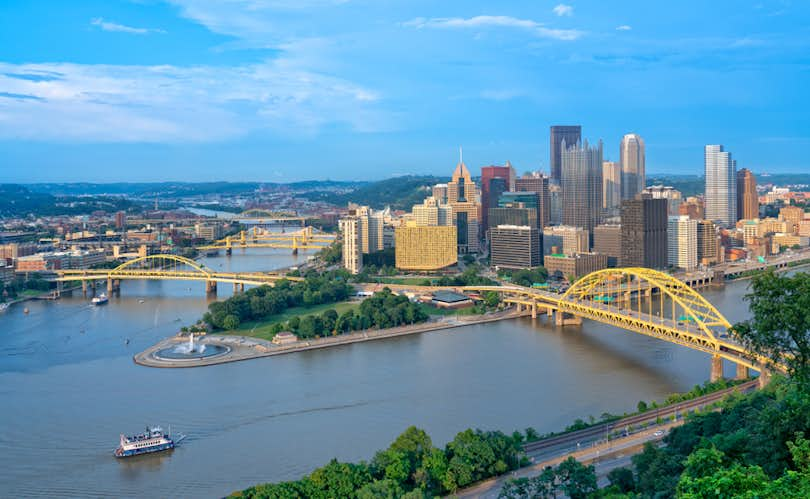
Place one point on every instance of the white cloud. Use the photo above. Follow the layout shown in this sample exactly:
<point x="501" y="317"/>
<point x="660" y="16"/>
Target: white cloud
<point x="101" y="103"/>
<point x="495" y="22"/>
<point x="623" y="27"/>
<point x="563" y="10"/>
<point x="121" y="28"/>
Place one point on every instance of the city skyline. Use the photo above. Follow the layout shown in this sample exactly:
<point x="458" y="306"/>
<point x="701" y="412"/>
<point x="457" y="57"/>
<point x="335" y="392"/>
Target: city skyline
<point x="274" y="91"/>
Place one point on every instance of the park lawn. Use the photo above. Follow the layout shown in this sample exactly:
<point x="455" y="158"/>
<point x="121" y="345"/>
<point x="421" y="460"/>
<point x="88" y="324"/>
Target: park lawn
<point x="431" y="310"/>
<point x="409" y="281"/>
<point x="261" y="329"/>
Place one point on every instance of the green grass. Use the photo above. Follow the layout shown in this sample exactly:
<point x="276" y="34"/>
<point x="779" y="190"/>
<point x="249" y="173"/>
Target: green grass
<point x="431" y="310"/>
<point x="409" y="281"/>
<point x="261" y="329"/>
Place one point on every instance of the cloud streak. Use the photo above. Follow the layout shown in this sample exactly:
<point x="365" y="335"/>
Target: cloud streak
<point x="563" y="10"/>
<point x="122" y="28"/>
<point x="485" y="22"/>
<point x="171" y="104"/>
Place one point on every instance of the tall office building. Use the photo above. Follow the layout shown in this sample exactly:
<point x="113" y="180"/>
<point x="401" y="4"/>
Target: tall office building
<point x="644" y="233"/>
<point x="682" y="242"/>
<point x="440" y="192"/>
<point x="432" y="213"/>
<point x="607" y="240"/>
<point x="611" y="186"/>
<point x="631" y="156"/>
<point x="707" y="242"/>
<point x="362" y="233"/>
<point x="582" y="185"/>
<point x="538" y="183"/>
<point x="350" y="229"/>
<point x="555" y="204"/>
<point x="462" y="196"/>
<point x="495" y="180"/>
<point x="559" y="134"/>
<point x="514" y="247"/>
<point x="721" y="186"/>
<point x="425" y="248"/>
<point x="512" y="214"/>
<point x="747" y="199"/>
<point x="672" y="195"/>
<point x="566" y="239"/>
<point x="528" y="200"/>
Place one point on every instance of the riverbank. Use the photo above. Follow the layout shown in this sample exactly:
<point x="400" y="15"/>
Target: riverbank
<point x="246" y="348"/>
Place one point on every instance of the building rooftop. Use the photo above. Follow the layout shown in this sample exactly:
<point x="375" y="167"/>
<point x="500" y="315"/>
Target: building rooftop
<point x="449" y="297"/>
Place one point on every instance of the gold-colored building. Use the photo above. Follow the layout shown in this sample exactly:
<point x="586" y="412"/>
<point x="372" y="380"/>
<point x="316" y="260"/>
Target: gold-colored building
<point x="425" y="248"/>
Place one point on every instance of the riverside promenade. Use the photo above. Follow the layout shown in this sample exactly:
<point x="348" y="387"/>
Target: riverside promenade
<point x="245" y="347"/>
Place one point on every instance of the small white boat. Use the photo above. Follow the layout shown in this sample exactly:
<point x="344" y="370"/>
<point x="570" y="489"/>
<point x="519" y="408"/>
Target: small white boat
<point x="4" y="307"/>
<point x="100" y="299"/>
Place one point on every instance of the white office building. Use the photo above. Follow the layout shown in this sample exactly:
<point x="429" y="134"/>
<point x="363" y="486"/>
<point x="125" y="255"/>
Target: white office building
<point x="682" y="241"/>
<point x="721" y="186"/>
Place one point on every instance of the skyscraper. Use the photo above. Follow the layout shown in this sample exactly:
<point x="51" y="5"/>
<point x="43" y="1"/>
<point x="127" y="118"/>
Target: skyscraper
<point x="644" y="233"/>
<point x="611" y="186"/>
<point x="537" y="183"/>
<point x="721" y="186"/>
<point x="560" y="133"/>
<point x="631" y="156"/>
<point x="582" y="185"/>
<point x="495" y="180"/>
<point x="747" y="199"/>
<point x="682" y="241"/>
<point x="707" y="242"/>
<point x="432" y="213"/>
<point x="462" y="196"/>
<point x="514" y="246"/>
<point x="362" y="232"/>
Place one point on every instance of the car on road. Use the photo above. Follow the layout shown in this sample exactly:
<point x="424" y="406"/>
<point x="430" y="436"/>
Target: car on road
<point x="658" y="433"/>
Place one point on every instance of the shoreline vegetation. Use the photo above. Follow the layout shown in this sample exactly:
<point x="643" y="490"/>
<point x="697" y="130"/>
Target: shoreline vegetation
<point x="411" y="467"/>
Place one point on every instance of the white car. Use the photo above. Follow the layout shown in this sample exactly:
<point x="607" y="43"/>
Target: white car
<point x="658" y="433"/>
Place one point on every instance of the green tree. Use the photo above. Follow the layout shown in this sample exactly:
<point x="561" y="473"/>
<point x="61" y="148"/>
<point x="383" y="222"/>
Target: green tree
<point x="575" y="479"/>
<point x="779" y="328"/>
<point x="338" y="479"/>
<point x="380" y="489"/>
<point x="230" y="322"/>
<point x="622" y="479"/>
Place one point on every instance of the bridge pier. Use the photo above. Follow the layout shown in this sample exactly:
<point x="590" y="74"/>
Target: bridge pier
<point x="238" y="287"/>
<point x="84" y="288"/>
<point x="229" y="251"/>
<point x="764" y="377"/>
<point x="534" y="310"/>
<point x="742" y="372"/>
<point x="563" y="319"/>
<point x="211" y="287"/>
<point x="717" y="369"/>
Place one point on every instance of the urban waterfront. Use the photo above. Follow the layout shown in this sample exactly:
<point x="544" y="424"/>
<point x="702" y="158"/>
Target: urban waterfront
<point x="278" y="418"/>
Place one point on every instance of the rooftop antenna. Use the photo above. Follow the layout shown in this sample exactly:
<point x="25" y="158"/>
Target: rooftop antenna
<point x="460" y="155"/>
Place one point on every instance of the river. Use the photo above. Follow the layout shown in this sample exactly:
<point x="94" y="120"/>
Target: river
<point x="68" y="388"/>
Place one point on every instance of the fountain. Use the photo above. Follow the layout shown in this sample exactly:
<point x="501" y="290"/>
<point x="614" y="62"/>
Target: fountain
<point x="191" y="350"/>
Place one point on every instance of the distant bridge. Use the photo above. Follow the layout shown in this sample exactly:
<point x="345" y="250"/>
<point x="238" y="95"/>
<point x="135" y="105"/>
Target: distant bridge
<point x="168" y="268"/>
<point x="306" y="238"/>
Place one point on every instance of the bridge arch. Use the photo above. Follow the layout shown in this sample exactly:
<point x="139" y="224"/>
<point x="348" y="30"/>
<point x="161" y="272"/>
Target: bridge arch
<point x="159" y="261"/>
<point x="691" y="304"/>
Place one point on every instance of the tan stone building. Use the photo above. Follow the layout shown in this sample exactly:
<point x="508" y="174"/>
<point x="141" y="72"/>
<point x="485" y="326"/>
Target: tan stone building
<point x="425" y="248"/>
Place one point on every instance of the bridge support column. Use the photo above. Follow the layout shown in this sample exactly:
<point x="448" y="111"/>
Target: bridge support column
<point x="534" y="310"/>
<point x="764" y="377"/>
<point x="742" y="372"/>
<point x="84" y="288"/>
<point x="717" y="368"/>
<point x="58" y="291"/>
<point x="109" y="285"/>
<point x="241" y="287"/>
<point x="210" y="287"/>
<point x="228" y="251"/>
<point x="563" y="319"/>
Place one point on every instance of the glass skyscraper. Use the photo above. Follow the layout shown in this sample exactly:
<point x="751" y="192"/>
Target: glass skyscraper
<point x="721" y="186"/>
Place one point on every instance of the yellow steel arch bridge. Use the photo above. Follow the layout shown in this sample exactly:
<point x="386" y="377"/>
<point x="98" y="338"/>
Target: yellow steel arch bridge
<point x="256" y="237"/>
<point x="168" y="267"/>
<point x="643" y="301"/>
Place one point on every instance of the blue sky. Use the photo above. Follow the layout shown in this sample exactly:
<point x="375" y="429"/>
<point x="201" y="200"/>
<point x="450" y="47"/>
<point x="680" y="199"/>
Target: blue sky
<point x="282" y="90"/>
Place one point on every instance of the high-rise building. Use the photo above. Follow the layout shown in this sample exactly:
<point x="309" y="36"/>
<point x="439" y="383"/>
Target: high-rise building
<point x="747" y="199"/>
<point x="672" y="195"/>
<point x="120" y="220"/>
<point x="692" y="207"/>
<point x="514" y="247"/>
<point x="611" y="186"/>
<point x="568" y="240"/>
<point x="682" y="242"/>
<point x="425" y="248"/>
<point x="555" y="204"/>
<point x="495" y="180"/>
<point x="432" y="212"/>
<point x="559" y="134"/>
<point x="351" y="231"/>
<point x="607" y="240"/>
<point x="528" y="200"/>
<point x="721" y="186"/>
<point x="537" y="183"/>
<point x="462" y="196"/>
<point x="582" y="185"/>
<point x="440" y="192"/>
<point x="644" y="233"/>
<point x="512" y="214"/>
<point x="363" y="233"/>
<point x="631" y="156"/>
<point x="707" y="242"/>
<point x="793" y="215"/>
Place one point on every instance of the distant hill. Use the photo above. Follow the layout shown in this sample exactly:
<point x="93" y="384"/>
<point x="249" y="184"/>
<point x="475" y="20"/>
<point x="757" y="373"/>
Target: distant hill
<point x="19" y="201"/>
<point x="179" y="189"/>
<point x="692" y="185"/>
<point x="400" y="193"/>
